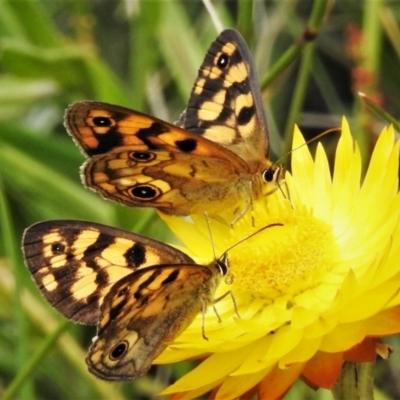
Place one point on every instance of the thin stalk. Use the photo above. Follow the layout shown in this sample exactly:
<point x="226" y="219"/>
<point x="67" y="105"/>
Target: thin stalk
<point x="311" y="31"/>
<point x="39" y="316"/>
<point x="293" y="51"/>
<point x="380" y="112"/>
<point x="143" y="51"/>
<point x="368" y="70"/>
<point x="11" y="249"/>
<point x="26" y="371"/>
<point x="245" y="15"/>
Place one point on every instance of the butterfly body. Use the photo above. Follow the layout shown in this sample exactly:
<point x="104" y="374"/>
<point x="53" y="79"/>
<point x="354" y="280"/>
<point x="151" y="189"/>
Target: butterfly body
<point x="215" y="159"/>
<point x="139" y="292"/>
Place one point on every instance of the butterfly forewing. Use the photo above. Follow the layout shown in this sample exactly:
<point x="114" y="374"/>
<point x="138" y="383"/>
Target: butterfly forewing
<point x="225" y="105"/>
<point x="101" y="128"/>
<point x="75" y="263"/>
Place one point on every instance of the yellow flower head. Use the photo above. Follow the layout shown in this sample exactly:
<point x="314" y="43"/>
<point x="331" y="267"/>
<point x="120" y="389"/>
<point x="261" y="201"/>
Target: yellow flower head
<point x="314" y="291"/>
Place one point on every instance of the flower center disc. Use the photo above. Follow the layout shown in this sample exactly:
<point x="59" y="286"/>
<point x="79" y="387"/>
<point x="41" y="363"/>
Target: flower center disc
<point x="284" y="260"/>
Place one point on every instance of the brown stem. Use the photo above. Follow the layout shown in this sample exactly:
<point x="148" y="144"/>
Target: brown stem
<point x="355" y="382"/>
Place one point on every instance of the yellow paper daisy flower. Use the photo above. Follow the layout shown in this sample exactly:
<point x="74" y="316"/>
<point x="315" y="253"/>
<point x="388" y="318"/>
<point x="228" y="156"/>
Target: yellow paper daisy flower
<point x="321" y="289"/>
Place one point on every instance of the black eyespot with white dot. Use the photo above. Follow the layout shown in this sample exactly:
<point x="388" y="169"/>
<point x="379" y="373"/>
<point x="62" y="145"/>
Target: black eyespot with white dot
<point x="57" y="248"/>
<point x="145" y="192"/>
<point x="102" y="121"/>
<point x="223" y="61"/>
<point x="119" y="350"/>
<point x="142" y="156"/>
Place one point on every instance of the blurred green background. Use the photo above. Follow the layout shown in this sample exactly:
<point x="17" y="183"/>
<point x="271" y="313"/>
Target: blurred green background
<point x="145" y="55"/>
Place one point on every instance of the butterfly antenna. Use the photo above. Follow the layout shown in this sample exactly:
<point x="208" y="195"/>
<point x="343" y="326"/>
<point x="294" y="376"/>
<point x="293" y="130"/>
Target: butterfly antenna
<point x="275" y="169"/>
<point x="250" y="236"/>
<point x="210" y="233"/>
<point x="319" y="136"/>
<point x="230" y="278"/>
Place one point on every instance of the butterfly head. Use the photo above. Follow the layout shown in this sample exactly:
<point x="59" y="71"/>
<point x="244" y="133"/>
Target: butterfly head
<point x="273" y="174"/>
<point x="222" y="265"/>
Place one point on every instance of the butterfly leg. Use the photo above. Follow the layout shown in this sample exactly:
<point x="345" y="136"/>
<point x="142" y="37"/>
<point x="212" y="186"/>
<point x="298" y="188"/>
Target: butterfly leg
<point x="249" y="204"/>
<point x="287" y="191"/>
<point x="242" y="212"/>
<point x="230" y="293"/>
<point x="278" y="186"/>
<point x="204" y="309"/>
<point x="285" y="194"/>
<point x="203" y="321"/>
<point x="216" y="313"/>
<point x="210" y="233"/>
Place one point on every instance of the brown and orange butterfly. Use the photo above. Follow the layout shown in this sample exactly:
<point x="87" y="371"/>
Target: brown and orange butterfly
<point x="139" y="292"/>
<point x="215" y="159"/>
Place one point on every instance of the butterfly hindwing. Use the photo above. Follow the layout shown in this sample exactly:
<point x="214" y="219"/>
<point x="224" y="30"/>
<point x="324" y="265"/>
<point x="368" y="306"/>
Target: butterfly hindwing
<point x="145" y="311"/>
<point x="166" y="181"/>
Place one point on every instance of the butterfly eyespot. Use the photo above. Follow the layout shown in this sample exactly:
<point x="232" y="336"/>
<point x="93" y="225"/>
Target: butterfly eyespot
<point x="119" y="350"/>
<point x="187" y="145"/>
<point x="102" y="121"/>
<point x="223" y="61"/>
<point x="141" y="156"/>
<point x="145" y="192"/>
<point x="58" y="248"/>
